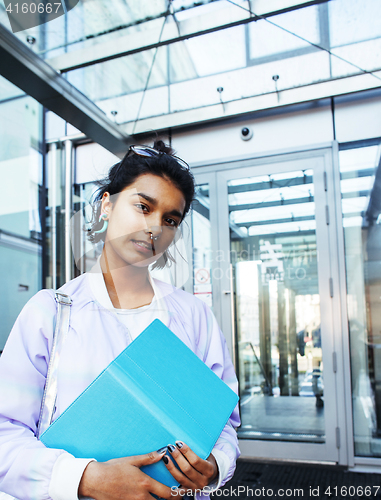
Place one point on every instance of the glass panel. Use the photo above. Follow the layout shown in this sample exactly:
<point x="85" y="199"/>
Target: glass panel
<point x="202" y="246"/>
<point x="130" y="108"/>
<point x="266" y="38"/>
<point x="89" y="23"/>
<point x="352" y="21"/>
<point x="364" y="55"/>
<point x="124" y="75"/>
<point x="360" y="175"/>
<point x="274" y="256"/>
<point x="21" y="212"/>
<point x="98" y="17"/>
<point x="182" y="65"/>
<point x="221" y="51"/>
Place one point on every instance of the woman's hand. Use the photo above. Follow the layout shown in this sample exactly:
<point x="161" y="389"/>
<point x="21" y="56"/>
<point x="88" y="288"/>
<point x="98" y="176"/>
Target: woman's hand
<point x="195" y="473"/>
<point x="122" y="479"/>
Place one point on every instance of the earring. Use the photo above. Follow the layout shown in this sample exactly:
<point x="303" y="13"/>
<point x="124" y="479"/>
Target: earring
<point x="105" y="224"/>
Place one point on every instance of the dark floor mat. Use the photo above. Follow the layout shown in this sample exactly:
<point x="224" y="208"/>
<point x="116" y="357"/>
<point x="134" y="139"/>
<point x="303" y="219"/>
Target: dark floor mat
<point x="260" y="480"/>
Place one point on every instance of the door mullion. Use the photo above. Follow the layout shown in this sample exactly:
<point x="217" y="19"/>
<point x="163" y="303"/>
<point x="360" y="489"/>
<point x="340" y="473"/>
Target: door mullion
<point x="326" y="291"/>
<point x="341" y="362"/>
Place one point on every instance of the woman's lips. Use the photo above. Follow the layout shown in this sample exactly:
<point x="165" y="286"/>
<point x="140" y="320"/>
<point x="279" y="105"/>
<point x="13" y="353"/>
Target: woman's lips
<point x="143" y="246"/>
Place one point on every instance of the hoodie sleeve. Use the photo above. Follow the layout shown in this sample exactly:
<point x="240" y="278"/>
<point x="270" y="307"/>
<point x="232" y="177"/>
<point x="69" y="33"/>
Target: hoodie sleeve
<point x="25" y="463"/>
<point x="215" y="354"/>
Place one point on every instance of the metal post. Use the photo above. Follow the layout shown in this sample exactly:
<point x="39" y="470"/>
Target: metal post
<point x="293" y="343"/>
<point x="282" y="341"/>
<point x="68" y="208"/>
<point x="53" y="211"/>
<point x="264" y="327"/>
<point x="82" y="242"/>
<point x="234" y="326"/>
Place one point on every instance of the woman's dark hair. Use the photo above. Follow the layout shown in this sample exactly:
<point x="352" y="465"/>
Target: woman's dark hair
<point x="124" y="173"/>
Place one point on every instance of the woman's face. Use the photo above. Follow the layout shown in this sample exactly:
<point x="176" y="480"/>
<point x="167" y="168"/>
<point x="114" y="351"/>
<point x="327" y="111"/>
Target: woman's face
<point x="151" y="204"/>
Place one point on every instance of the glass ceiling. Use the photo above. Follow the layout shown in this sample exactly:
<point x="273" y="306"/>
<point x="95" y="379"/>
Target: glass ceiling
<point x="143" y="60"/>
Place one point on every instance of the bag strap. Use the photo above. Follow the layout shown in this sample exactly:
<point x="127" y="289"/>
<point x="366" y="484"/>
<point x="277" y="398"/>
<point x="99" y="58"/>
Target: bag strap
<point x="49" y="398"/>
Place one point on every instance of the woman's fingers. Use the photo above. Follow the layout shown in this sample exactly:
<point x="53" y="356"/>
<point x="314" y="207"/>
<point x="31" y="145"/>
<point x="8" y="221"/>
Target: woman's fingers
<point x="151" y="485"/>
<point x="195" y="472"/>
<point x="122" y="479"/>
<point x="161" y="490"/>
<point x="185" y="482"/>
<point x="204" y="467"/>
<point x="148" y="458"/>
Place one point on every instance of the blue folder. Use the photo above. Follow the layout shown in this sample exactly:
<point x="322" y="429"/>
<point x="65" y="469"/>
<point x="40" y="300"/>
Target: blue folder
<point x="155" y="392"/>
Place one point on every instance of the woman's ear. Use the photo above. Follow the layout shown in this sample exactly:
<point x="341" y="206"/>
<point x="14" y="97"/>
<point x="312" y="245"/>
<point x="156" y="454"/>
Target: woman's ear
<point x="106" y="205"/>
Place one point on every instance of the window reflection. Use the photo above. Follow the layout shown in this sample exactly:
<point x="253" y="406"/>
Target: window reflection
<point x="360" y="175"/>
<point x="202" y="246"/>
<point x="21" y="224"/>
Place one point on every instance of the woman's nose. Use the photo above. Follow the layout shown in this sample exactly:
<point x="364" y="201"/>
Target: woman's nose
<point x="156" y="231"/>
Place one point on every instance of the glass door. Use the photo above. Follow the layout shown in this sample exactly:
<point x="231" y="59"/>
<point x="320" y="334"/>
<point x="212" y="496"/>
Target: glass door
<point x="274" y="227"/>
<point x="203" y="264"/>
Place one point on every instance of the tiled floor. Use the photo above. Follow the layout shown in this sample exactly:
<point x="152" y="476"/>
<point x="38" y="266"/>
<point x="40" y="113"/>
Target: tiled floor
<point x="296" y="418"/>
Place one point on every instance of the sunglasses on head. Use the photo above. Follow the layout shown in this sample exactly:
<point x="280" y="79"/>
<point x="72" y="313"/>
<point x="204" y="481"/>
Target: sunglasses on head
<point x="151" y="152"/>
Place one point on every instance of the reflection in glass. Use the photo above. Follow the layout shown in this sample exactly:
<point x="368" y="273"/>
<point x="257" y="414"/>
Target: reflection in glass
<point x="202" y="246"/>
<point x="88" y="251"/>
<point x="360" y="180"/>
<point x="21" y="219"/>
<point x="274" y="255"/>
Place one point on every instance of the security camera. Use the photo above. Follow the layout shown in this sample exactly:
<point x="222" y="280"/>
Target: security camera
<point x="246" y="134"/>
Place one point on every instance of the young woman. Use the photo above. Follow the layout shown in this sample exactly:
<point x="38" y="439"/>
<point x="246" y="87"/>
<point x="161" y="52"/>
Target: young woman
<point x="139" y="208"/>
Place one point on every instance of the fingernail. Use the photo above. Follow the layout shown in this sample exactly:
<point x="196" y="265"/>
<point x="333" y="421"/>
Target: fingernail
<point x="162" y="450"/>
<point x="171" y="448"/>
<point x="179" y="444"/>
<point x="166" y="459"/>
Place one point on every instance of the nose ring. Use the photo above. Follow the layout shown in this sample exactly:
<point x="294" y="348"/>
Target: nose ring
<point x="152" y="236"/>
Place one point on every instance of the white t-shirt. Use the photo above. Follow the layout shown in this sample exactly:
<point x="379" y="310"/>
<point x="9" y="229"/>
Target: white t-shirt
<point x="135" y="320"/>
<point x="67" y="471"/>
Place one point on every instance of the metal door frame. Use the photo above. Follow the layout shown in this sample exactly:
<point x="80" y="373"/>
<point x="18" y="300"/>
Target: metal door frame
<point x="210" y="179"/>
<point x="338" y="447"/>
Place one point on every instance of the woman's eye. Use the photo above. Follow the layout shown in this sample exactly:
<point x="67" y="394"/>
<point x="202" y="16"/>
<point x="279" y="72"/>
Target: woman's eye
<point x="173" y="222"/>
<point x="141" y="207"/>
